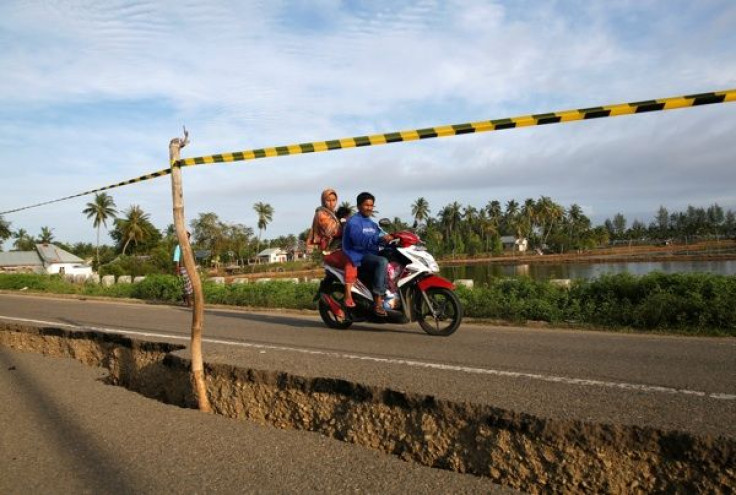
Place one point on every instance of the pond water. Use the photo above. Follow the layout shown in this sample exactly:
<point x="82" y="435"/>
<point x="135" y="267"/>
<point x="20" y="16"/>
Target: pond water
<point x="482" y="273"/>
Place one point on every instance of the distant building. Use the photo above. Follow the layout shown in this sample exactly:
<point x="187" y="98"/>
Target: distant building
<point x="297" y="252"/>
<point x="272" y="255"/>
<point x="514" y="243"/>
<point x="47" y="258"/>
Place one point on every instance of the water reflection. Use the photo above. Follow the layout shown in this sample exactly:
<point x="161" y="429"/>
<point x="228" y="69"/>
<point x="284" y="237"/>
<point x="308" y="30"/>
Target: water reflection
<point x="545" y="271"/>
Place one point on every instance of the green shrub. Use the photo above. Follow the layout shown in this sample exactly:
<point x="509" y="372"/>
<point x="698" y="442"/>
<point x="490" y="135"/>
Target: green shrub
<point x="274" y="294"/>
<point x="158" y="288"/>
<point x="685" y="301"/>
<point x="516" y="299"/>
<point x="36" y="282"/>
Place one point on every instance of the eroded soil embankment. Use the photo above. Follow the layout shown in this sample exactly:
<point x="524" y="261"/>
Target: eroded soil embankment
<point x="514" y="449"/>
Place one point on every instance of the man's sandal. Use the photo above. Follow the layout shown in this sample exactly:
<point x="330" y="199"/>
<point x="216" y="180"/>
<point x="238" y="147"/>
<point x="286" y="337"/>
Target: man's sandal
<point x="379" y="311"/>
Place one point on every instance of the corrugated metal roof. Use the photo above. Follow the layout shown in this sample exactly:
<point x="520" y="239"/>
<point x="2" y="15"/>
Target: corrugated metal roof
<point x="51" y="253"/>
<point x="20" y="258"/>
<point x="269" y="252"/>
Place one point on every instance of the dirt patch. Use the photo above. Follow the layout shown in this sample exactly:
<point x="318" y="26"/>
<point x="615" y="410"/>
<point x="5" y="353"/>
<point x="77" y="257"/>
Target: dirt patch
<point x="513" y="449"/>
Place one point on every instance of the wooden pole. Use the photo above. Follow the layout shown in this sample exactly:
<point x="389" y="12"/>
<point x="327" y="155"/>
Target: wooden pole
<point x="197" y="375"/>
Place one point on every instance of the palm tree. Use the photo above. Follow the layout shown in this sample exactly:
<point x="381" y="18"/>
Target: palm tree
<point x="495" y="214"/>
<point x="46" y="235"/>
<point x="511" y="217"/>
<point x="348" y="206"/>
<point x="5" y="231"/>
<point x="450" y="218"/>
<point x="470" y="215"/>
<point x="134" y="227"/>
<point x="101" y="209"/>
<point x="549" y="214"/>
<point x="578" y="223"/>
<point x="22" y="240"/>
<point x="487" y="227"/>
<point x="420" y="210"/>
<point x="528" y="218"/>
<point x="265" y="215"/>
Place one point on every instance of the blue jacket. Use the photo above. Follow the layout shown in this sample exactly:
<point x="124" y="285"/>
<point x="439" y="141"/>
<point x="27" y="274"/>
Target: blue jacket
<point x="361" y="235"/>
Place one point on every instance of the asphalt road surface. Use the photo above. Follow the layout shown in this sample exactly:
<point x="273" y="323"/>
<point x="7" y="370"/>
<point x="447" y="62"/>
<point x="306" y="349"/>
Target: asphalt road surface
<point x="64" y="431"/>
<point x="667" y="382"/>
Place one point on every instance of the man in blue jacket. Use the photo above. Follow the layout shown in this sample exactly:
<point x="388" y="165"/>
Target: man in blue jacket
<point x="360" y="241"/>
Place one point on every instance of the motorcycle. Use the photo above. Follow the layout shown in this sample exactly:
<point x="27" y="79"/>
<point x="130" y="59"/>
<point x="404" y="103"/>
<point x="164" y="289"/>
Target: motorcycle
<point x="418" y="294"/>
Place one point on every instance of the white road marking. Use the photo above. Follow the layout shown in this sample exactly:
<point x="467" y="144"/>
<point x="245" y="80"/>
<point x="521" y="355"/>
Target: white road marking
<point x="405" y="362"/>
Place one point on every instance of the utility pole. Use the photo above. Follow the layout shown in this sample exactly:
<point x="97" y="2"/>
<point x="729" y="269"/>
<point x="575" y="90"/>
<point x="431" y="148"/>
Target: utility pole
<point x="197" y="373"/>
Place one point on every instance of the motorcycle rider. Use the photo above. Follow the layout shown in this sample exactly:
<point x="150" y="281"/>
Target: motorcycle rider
<point x="360" y="241"/>
<point x="326" y="233"/>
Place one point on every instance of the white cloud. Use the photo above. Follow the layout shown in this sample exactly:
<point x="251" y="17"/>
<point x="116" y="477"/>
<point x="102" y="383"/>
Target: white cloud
<point x="96" y="91"/>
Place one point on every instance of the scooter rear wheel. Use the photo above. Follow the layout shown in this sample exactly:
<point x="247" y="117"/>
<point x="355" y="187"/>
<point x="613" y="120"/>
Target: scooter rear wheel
<point x="338" y="294"/>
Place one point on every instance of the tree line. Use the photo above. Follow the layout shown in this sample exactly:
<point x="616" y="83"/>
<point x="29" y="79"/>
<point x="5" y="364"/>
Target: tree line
<point x="548" y="226"/>
<point x="454" y="230"/>
<point x="135" y="236"/>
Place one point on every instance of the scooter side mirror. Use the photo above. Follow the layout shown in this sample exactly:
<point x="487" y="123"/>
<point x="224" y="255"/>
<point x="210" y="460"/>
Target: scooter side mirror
<point x="384" y="223"/>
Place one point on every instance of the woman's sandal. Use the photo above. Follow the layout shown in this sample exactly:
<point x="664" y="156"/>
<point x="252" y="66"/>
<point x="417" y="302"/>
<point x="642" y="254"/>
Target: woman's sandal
<point x="339" y="317"/>
<point x="350" y="304"/>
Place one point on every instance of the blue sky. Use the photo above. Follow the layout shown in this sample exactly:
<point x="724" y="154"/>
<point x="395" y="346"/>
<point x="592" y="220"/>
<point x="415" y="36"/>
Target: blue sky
<point x="92" y="92"/>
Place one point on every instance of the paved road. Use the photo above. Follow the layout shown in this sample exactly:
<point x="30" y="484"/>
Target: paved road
<point x="64" y="431"/>
<point x="670" y="382"/>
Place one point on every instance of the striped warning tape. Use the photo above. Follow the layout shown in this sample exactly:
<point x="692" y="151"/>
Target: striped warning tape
<point x="431" y="132"/>
<point x="142" y="178"/>
<point x="469" y="128"/>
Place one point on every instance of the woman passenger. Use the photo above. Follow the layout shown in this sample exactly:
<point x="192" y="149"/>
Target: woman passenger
<point x="326" y="233"/>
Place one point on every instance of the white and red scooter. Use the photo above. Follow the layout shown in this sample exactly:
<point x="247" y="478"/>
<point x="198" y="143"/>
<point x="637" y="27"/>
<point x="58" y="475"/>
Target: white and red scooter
<point x="419" y="295"/>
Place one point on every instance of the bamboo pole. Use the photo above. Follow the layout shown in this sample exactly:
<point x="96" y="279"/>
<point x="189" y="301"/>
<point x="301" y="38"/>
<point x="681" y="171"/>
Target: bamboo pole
<point x="197" y="374"/>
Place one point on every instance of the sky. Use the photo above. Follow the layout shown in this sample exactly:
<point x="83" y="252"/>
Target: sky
<point x="92" y="92"/>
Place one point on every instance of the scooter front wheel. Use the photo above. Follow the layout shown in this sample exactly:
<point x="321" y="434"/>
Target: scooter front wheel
<point x="442" y="316"/>
<point x="328" y="316"/>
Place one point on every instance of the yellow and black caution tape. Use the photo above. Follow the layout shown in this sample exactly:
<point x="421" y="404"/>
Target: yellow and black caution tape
<point x="432" y="132"/>
<point x="142" y="178"/>
<point x="469" y="128"/>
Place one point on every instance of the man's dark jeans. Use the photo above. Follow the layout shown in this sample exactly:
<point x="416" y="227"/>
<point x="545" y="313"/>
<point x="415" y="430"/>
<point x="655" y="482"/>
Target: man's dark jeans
<point x="378" y="265"/>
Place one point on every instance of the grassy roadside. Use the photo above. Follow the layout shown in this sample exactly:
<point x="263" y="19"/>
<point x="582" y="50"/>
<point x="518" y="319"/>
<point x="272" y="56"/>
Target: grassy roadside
<point x="689" y="304"/>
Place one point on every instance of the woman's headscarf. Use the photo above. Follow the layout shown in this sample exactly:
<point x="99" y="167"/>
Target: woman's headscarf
<point x="326" y="194"/>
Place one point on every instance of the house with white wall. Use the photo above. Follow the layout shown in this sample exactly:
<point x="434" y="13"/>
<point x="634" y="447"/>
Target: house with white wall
<point x="272" y="255"/>
<point x="47" y="258"/>
<point x="514" y="243"/>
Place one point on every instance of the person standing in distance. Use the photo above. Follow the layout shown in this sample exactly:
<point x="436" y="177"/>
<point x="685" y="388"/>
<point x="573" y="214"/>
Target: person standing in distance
<point x="181" y="271"/>
<point x="360" y="241"/>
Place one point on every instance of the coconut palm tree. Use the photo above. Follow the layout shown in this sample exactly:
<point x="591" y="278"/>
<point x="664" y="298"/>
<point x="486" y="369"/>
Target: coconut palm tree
<point x="450" y="218"/>
<point x="470" y="216"/>
<point x="102" y="208"/>
<point x="420" y="210"/>
<point x="495" y="214"/>
<point x="23" y="242"/>
<point x="265" y="215"/>
<point x="46" y="235"/>
<point x="348" y="206"/>
<point x="528" y="218"/>
<point x="577" y="224"/>
<point x="134" y="227"/>
<point x="549" y="215"/>
<point x="5" y="231"/>
<point x="511" y="217"/>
